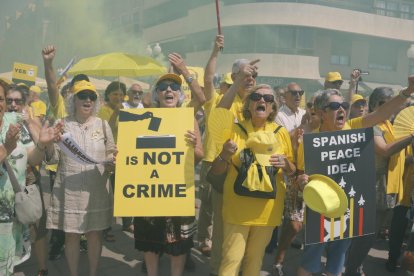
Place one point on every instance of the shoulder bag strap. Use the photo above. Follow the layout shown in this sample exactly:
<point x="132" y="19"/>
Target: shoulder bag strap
<point x="12" y="176"/>
<point x="277" y="129"/>
<point x="104" y="130"/>
<point x="242" y="128"/>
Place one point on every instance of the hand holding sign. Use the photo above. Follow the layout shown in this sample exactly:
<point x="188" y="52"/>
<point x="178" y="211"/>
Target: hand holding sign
<point x="191" y="138"/>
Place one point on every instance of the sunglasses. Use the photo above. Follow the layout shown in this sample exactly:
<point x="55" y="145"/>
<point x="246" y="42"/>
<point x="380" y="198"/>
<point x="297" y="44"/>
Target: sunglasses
<point x="136" y="92"/>
<point x="296" y="92"/>
<point x="266" y="97"/>
<point x="335" y="105"/>
<point x="17" y="101"/>
<point x="360" y="104"/>
<point x="163" y="86"/>
<point x="84" y="95"/>
<point x="338" y="82"/>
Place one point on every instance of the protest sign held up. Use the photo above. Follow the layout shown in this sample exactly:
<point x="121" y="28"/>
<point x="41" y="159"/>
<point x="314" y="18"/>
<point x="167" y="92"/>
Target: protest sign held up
<point x="24" y="73"/>
<point x="347" y="157"/>
<point x="155" y="166"/>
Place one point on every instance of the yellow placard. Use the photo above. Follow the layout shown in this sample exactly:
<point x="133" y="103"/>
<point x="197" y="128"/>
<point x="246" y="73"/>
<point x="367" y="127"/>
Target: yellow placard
<point x="196" y="73"/>
<point x="25" y="73"/>
<point x="155" y="165"/>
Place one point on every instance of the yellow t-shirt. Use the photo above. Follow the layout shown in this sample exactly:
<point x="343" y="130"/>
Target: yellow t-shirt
<point x="211" y="150"/>
<point x="59" y="111"/>
<point x="243" y="210"/>
<point x="350" y="124"/>
<point x="39" y="108"/>
<point x="105" y="113"/>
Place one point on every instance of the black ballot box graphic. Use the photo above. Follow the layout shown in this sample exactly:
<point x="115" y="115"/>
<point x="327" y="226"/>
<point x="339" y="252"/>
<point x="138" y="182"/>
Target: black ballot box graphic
<point x="156" y="142"/>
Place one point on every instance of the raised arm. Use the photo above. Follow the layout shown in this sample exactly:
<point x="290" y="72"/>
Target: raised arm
<point x="242" y="78"/>
<point x="385" y="111"/>
<point x="353" y="80"/>
<point x="387" y="150"/>
<point x="211" y="68"/>
<point x="48" y="54"/>
<point x="179" y="66"/>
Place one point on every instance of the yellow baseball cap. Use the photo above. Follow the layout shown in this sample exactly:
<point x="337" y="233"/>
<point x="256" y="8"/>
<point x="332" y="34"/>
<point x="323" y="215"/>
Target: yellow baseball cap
<point x="333" y="76"/>
<point x="357" y="97"/>
<point x="227" y="79"/>
<point x="170" y="76"/>
<point x="36" y="89"/>
<point x="82" y="86"/>
<point x="323" y="195"/>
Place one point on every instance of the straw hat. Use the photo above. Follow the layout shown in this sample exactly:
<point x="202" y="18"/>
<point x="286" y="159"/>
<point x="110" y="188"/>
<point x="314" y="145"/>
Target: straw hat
<point x="323" y="195"/>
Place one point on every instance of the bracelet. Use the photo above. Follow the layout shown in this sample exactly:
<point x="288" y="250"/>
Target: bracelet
<point x="39" y="148"/>
<point x="402" y="94"/>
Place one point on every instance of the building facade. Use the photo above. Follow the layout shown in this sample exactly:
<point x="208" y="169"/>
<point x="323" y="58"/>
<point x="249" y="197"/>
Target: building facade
<point x="295" y="40"/>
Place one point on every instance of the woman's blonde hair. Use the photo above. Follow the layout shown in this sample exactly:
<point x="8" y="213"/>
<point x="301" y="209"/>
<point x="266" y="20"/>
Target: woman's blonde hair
<point x="70" y="105"/>
<point x="247" y="101"/>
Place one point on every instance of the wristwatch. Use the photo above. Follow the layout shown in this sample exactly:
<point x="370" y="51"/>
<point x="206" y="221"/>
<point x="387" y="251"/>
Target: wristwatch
<point x="189" y="79"/>
<point x="402" y="94"/>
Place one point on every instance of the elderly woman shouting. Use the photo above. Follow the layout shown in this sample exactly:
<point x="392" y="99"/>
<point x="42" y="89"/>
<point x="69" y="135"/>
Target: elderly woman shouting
<point x="332" y="109"/>
<point x="255" y="158"/>
<point x="18" y="155"/>
<point x="82" y="199"/>
<point x="170" y="235"/>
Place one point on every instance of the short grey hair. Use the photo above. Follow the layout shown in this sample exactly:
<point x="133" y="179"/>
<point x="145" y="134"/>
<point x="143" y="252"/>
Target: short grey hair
<point x="379" y="94"/>
<point x="156" y="102"/>
<point x="322" y="99"/>
<point x="237" y="64"/>
<point x="70" y="105"/>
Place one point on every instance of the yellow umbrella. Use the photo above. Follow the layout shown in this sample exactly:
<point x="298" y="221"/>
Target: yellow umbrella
<point x="118" y="64"/>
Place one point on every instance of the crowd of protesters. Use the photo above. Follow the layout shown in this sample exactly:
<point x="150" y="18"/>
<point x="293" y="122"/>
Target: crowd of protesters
<point x="251" y="200"/>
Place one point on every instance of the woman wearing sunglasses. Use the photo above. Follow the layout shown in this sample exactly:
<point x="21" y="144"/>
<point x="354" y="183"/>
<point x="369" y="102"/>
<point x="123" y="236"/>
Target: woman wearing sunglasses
<point x="19" y="152"/>
<point x="170" y="235"/>
<point x="252" y="208"/>
<point x="332" y="110"/>
<point x="393" y="195"/>
<point x="82" y="200"/>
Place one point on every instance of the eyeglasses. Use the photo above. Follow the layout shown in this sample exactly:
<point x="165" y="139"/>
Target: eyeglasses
<point x="266" y="97"/>
<point x="335" y="105"/>
<point x="17" y="101"/>
<point x="163" y="86"/>
<point x="296" y="92"/>
<point x="136" y="91"/>
<point x="254" y="75"/>
<point x="84" y="95"/>
<point x="338" y="82"/>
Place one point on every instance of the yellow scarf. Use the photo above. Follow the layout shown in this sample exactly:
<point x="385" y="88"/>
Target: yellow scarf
<point x="253" y="181"/>
<point x="395" y="163"/>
